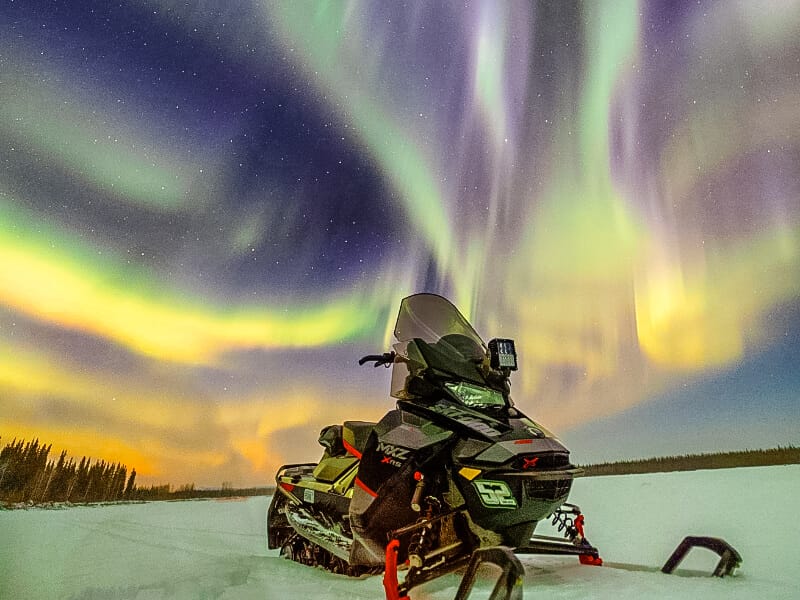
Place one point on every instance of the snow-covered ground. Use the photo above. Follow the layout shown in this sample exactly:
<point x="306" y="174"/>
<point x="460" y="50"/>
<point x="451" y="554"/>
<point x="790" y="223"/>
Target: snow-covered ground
<point x="215" y="549"/>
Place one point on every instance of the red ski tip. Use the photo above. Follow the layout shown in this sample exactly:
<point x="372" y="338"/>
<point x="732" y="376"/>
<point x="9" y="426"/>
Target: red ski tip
<point x="588" y="559"/>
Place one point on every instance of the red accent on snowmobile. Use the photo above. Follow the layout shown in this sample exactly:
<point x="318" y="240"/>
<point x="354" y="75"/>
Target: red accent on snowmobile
<point x="586" y="559"/>
<point x="579" y="525"/>
<point x="289" y="487"/>
<point x="390" y="583"/>
<point x="589" y="559"/>
<point x="364" y="487"/>
<point x="351" y="450"/>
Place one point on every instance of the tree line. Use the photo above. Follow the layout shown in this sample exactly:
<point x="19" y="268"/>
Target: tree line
<point x="189" y="492"/>
<point x="693" y="462"/>
<point x="29" y="476"/>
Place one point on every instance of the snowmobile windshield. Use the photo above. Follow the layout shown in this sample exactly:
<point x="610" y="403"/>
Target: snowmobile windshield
<point x="433" y="333"/>
<point x="431" y="318"/>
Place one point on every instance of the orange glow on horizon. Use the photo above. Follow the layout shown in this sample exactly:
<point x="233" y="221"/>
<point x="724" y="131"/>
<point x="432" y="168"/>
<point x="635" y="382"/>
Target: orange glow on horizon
<point x="80" y="442"/>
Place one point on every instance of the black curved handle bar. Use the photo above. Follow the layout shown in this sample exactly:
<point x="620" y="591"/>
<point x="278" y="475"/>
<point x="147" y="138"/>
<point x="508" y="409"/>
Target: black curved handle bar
<point x="385" y="359"/>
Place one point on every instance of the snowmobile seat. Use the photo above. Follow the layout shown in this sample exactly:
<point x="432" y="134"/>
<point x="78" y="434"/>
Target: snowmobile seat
<point x="355" y="435"/>
<point x="330" y="438"/>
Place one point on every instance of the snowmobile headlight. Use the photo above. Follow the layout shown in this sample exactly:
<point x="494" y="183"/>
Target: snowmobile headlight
<point x="475" y="395"/>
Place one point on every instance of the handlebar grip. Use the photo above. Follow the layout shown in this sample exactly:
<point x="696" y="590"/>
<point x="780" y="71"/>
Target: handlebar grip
<point x="417" y="497"/>
<point x="384" y="359"/>
<point x="370" y="358"/>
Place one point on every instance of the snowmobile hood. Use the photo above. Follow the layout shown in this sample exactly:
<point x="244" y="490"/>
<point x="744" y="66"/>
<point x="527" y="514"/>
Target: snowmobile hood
<point x="451" y="415"/>
<point x="502" y="452"/>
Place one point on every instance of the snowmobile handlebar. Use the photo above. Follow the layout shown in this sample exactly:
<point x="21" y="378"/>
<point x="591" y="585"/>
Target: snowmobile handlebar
<point x="385" y="359"/>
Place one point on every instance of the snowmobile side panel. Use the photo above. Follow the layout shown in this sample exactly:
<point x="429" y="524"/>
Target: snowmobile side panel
<point x="399" y="446"/>
<point x="330" y="469"/>
<point x="469" y="448"/>
<point x="355" y="435"/>
<point x="415" y="437"/>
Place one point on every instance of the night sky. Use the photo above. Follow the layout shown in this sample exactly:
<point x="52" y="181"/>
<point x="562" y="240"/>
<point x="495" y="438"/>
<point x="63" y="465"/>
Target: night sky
<point x="209" y="211"/>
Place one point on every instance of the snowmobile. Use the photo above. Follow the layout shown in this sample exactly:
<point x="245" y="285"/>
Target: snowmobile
<point x="456" y="467"/>
<point x="455" y="476"/>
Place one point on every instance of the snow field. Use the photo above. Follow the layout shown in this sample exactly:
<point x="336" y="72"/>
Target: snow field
<point x="217" y="549"/>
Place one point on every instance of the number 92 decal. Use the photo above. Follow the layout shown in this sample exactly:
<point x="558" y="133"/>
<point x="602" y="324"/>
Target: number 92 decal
<point x="495" y="494"/>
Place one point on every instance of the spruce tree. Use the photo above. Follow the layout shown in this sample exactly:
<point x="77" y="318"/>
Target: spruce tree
<point x="131" y="487"/>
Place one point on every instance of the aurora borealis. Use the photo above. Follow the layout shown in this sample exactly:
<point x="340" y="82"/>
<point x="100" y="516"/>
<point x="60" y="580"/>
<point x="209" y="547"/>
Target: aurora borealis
<point x="209" y="212"/>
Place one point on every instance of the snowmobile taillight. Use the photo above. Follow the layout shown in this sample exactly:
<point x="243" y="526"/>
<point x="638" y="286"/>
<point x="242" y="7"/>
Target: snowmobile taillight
<point x="289" y="487"/>
<point x="523" y="441"/>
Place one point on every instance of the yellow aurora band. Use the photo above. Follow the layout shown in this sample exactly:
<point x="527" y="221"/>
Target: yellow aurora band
<point x="43" y="281"/>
